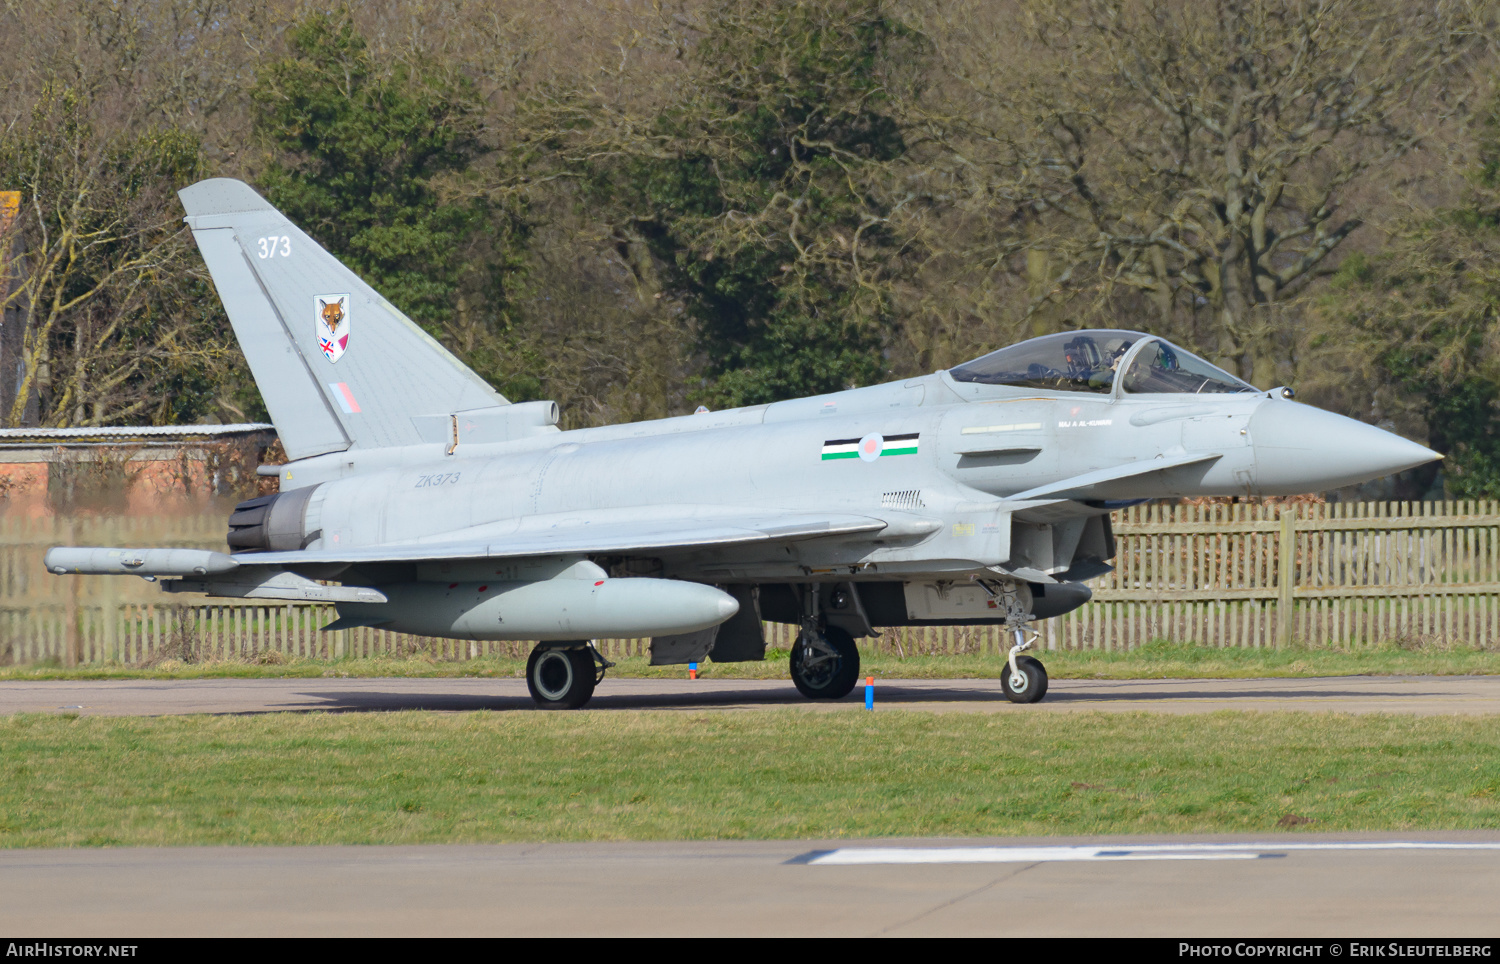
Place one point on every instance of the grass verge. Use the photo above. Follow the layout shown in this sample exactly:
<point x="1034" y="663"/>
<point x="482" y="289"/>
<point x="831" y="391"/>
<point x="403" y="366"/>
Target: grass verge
<point x="418" y="777"/>
<point x="1158" y="660"/>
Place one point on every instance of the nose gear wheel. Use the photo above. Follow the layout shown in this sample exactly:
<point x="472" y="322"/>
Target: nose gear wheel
<point x="1028" y="684"/>
<point x="1024" y="679"/>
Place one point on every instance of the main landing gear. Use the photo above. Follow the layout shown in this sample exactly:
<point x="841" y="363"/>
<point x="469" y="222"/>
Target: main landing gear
<point x="825" y="663"/>
<point x="562" y="676"/>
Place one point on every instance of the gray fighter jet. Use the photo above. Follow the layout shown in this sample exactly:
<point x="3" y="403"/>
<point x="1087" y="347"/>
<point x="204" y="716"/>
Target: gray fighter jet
<point x="418" y="499"/>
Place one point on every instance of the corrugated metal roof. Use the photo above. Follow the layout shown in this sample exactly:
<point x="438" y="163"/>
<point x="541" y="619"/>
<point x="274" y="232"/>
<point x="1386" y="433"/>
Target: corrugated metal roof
<point x="125" y="433"/>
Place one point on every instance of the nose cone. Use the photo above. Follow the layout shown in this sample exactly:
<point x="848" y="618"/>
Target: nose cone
<point x="1299" y="449"/>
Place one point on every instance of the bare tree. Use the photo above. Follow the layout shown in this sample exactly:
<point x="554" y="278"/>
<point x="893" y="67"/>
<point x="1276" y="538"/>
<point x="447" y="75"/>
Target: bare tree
<point x="103" y="117"/>
<point x="98" y="236"/>
<point x="1192" y="160"/>
<point x="1410" y="335"/>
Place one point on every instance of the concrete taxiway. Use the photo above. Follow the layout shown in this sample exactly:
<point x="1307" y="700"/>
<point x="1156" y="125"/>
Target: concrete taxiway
<point x="1414" y="885"/>
<point x="1416" y="695"/>
<point x="1440" y="884"/>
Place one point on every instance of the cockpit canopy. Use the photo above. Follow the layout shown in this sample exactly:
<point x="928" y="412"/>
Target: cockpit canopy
<point x="1090" y="361"/>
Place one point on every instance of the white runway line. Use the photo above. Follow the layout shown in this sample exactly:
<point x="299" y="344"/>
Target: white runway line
<point x="1206" y="851"/>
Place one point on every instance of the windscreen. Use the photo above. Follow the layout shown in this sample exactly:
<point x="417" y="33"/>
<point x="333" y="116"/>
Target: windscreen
<point x="1162" y="367"/>
<point x="1074" y="361"/>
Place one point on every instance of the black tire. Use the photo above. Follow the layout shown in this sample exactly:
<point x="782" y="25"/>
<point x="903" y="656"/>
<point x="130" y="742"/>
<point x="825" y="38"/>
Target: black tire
<point x="1035" y="685"/>
<point x="560" y="679"/>
<point x="827" y="679"/>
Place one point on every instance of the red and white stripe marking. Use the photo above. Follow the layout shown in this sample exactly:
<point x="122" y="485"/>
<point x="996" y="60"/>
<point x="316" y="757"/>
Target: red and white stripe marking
<point x="344" y="397"/>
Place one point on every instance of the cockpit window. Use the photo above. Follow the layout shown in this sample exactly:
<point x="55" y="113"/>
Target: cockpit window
<point x="1074" y="361"/>
<point x="1161" y="367"/>
<point x="1090" y="360"/>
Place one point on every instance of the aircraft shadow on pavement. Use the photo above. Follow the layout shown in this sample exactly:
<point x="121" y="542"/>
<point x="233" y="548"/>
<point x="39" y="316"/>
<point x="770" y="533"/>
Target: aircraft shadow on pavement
<point x="372" y="702"/>
<point x="726" y="698"/>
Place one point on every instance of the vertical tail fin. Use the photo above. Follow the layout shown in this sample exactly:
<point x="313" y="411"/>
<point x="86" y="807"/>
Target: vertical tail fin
<point x="337" y="364"/>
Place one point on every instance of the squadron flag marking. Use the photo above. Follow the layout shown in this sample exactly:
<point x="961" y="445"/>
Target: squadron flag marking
<point x="871" y="447"/>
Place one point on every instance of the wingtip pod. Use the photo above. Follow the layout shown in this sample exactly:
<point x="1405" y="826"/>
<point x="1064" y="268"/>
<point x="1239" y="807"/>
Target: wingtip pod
<point x="221" y="195"/>
<point x="104" y="561"/>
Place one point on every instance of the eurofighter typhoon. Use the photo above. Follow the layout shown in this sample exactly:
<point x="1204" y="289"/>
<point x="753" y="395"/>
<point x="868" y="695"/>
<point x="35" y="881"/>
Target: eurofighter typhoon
<point x="418" y="499"/>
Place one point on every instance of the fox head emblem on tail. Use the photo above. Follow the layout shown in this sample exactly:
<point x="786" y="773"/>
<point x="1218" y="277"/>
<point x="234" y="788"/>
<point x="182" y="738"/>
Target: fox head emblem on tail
<point x="333" y="313"/>
<point x="332" y="324"/>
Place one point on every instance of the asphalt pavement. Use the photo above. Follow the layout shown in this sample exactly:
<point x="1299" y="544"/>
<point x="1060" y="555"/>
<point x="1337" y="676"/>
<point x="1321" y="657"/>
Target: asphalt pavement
<point x="1416" y="695"/>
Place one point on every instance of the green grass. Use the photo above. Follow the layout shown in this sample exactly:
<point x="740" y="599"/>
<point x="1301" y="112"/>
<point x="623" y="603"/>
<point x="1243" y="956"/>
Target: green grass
<point x="1159" y="660"/>
<point x="417" y="777"/>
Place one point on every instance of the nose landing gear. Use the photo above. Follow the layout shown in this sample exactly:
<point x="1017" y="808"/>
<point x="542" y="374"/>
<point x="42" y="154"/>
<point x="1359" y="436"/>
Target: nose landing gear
<point x="1025" y="679"/>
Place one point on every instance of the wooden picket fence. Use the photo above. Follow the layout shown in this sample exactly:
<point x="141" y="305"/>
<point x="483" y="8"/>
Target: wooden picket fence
<point x="1315" y="573"/>
<point x="1244" y="574"/>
